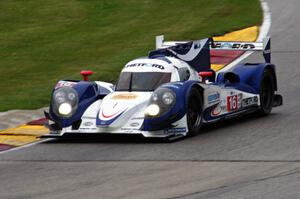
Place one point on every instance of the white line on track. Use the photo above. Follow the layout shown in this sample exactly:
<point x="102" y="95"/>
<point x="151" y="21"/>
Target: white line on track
<point x="26" y="146"/>
<point x="263" y="33"/>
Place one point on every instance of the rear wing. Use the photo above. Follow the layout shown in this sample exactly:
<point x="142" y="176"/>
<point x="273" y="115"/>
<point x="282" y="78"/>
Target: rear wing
<point x="265" y="46"/>
<point x="195" y="53"/>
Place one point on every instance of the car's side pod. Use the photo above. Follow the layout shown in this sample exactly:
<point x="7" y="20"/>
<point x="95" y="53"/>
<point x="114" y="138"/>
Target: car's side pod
<point x="251" y="74"/>
<point x="178" y="111"/>
<point x="88" y="92"/>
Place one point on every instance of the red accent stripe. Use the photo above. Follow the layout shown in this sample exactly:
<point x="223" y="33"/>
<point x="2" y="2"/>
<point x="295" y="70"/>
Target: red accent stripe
<point x="109" y="116"/>
<point x="40" y="121"/>
<point x="4" y="147"/>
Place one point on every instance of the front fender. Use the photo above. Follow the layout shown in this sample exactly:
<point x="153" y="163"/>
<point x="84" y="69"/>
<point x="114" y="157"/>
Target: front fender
<point x="178" y="111"/>
<point x="88" y="93"/>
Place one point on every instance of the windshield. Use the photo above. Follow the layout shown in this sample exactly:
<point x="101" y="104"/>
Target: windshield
<point x="144" y="81"/>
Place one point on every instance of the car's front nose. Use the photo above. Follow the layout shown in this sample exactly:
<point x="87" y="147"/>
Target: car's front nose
<point x="118" y="108"/>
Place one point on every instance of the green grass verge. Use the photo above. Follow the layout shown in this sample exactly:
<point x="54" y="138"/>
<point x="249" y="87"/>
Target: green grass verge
<point x="42" y="41"/>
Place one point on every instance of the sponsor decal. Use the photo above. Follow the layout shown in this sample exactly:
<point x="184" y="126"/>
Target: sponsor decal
<point x="232" y="103"/>
<point x="216" y="111"/>
<point x="249" y="101"/>
<point x="87" y="123"/>
<point x="135" y="124"/>
<point x="128" y="130"/>
<point x="89" y="129"/>
<point x="224" y="102"/>
<point x="240" y="97"/>
<point x="145" y="65"/>
<point x="232" y="45"/>
<point x="124" y="96"/>
<point x="137" y="118"/>
<point x="213" y="97"/>
<point x="64" y="83"/>
<point x="175" y="130"/>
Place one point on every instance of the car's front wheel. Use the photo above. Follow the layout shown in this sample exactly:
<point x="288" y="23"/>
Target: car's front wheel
<point x="194" y="112"/>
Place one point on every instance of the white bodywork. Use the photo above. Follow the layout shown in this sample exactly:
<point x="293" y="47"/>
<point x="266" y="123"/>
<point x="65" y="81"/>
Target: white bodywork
<point x="130" y="104"/>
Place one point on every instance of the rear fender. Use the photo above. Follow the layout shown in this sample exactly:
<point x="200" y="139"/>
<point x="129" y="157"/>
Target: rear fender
<point x="251" y="74"/>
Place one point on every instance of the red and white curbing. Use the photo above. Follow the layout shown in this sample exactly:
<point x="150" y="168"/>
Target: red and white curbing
<point x="263" y="33"/>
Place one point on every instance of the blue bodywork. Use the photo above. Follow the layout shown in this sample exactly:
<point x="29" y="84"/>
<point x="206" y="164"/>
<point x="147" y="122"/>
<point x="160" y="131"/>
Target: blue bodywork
<point x="200" y="61"/>
<point x="182" y="90"/>
<point x="249" y="80"/>
<point x="250" y="76"/>
<point x="88" y="93"/>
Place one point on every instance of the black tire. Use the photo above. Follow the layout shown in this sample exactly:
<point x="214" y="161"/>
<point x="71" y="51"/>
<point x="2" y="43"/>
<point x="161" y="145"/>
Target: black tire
<point x="194" y="112"/>
<point x="266" y="93"/>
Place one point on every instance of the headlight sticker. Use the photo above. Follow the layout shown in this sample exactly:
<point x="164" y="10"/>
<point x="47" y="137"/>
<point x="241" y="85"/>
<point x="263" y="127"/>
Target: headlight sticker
<point x="175" y="130"/>
<point x="64" y="83"/>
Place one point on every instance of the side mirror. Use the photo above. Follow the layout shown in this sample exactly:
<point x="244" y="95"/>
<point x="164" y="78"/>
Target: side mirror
<point x="205" y="74"/>
<point x="86" y="74"/>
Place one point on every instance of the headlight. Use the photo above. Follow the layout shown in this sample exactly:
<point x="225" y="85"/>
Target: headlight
<point x="71" y="96"/>
<point x="168" y="98"/>
<point x="64" y="101"/>
<point x="65" y="109"/>
<point x="154" y="97"/>
<point x="60" y="97"/>
<point x="152" y="110"/>
<point x="161" y="101"/>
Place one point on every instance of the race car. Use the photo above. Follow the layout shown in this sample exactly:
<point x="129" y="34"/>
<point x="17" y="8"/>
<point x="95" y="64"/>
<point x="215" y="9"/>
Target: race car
<point x="169" y="94"/>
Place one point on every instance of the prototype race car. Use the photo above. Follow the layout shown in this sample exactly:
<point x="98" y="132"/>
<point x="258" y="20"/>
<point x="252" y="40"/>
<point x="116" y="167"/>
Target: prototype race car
<point x="168" y="94"/>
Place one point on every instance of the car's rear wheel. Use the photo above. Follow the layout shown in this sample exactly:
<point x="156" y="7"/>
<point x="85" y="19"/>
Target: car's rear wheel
<point x="194" y="112"/>
<point x="266" y="93"/>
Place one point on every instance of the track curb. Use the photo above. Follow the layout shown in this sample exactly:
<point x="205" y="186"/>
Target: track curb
<point x="263" y="33"/>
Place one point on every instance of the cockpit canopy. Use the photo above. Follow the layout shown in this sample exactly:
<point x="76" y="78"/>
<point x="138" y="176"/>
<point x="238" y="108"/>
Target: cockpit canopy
<point x="141" y="81"/>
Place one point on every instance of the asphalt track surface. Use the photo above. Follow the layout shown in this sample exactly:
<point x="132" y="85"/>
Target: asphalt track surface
<point x="242" y="158"/>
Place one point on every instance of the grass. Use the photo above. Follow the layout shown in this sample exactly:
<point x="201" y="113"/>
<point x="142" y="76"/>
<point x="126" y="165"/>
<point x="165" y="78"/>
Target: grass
<point x="42" y="41"/>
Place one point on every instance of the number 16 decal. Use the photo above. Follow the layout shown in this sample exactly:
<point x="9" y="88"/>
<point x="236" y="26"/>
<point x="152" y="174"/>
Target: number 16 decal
<point x="232" y="103"/>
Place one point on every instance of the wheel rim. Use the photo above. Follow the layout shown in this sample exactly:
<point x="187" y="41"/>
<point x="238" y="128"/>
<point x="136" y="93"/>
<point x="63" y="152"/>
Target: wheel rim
<point x="194" y="112"/>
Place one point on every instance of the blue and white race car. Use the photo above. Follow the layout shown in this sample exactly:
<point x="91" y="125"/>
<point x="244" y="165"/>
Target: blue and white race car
<point x="168" y="94"/>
